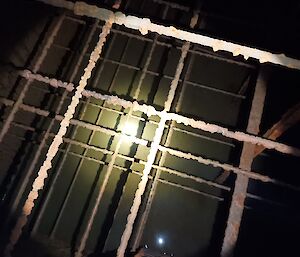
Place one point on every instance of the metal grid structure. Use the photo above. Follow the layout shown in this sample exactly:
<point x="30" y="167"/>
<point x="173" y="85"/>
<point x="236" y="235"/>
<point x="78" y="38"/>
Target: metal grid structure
<point x="159" y="121"/>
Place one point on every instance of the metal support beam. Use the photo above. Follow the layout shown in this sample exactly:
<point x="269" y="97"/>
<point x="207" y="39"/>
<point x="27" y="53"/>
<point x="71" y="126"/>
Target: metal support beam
<point x="43" y="142"/>
<point x="145" y="214"/>
<point x="224" y="166"/>
<point x="144" y="25"/>
<point x="181" y="174"/>
<point x="38" y="183"/>
<point x="288" y="120"/>
<point x="241" y="183"/>
<point x="151" y="156"/>
<point x="62" y="162"/>
<point x="100" y="193"/>
<point x="36" y="66"/>
<point x="150" y="110"/>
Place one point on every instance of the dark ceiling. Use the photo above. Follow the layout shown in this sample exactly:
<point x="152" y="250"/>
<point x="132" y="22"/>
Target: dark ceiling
<point x="271" y="25"/>
<point x="219" y="89"/>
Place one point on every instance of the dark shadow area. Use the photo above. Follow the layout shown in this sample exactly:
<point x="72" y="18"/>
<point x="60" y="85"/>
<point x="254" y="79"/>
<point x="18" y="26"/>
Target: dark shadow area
<point x="266" y="229"/>
<point x="41" y="247"/>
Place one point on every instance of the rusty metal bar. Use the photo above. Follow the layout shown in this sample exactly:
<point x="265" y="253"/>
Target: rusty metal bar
<point x="195" y="84"/>
<point x="151" y="156"/>
<point x="289" y="119"/>
<point x="70" y="141"/>
<point x="91" y="219"/>
<point x="70" y="87"/>
<point x="145" y="214"/>
<point x="182" y="174"/>
<point x="140" y="118"/>
<point x="174" y="152"/>
<point x="131" y="159"/>
<point x="42" y="143"/>
<point x="150" y="110"/>
<point x="198" y="51"/>
<point x="140" y="82"/>
<point x="60" y="166"/>
<point x="145" y="25"/>
<point x="99" y="116"/>
<point x="102" y="150"/>
<point x="125" y="169"/>
<point x="38" y="183"/>
<point x="36" y="66"/>
<point x="43" y="50"/>
<point x="74" y="122"/>
<point x="228" y="167"/>
<point x="247" y="156"/>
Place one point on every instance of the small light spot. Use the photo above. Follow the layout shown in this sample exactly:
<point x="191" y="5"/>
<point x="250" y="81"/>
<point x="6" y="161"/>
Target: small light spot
<point x="160" y="241"/>
<point x="130" y="129"/>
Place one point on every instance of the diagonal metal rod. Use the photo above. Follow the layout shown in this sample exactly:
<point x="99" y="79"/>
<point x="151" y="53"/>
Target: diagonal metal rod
<point x="198" y="50"/>
<point x="150" y="110"/>
<point x="38" y="183"/>
<point x="192" y="83"/>
<point x="142" y="223"/>
<point x="145" y="25"/>
<point x="141" y="79"/>
<point x="135" y="116"/>
<point x="43" y="50"/>
<point x="133" y="171"/>
<point x="86" y="232"/>
<point x="61" y="164"/>
<point x="113" y="158"/>
<point x="247" y="156"/>
<point x="174" y="152"/>
<point x="48" y="41"/>
<point x="171" y="171"/>
<point x="181" y="174"/>
<point x="76" y="173"/>
<point x="151" y="156"/>
<point x="75" y="122"/>
<point x="43" y="142"/>
<point x="102" y="150"/>
<point x="155" y="181"/>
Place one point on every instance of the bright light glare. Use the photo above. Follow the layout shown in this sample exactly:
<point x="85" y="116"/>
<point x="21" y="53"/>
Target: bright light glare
<point x="160" y="240"/>
<point x="130" y="129"/>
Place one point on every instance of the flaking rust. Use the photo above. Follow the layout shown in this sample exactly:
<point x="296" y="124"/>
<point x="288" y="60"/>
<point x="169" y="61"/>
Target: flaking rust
<point x="38" y="183"/>
<point x="173" y="152"/>
<point x="48" y="42"/>
<point x="150" y="110"/>
<point x="144" y="25"/>
<point x="152" y="154"/>
<point x="237" y="135"/>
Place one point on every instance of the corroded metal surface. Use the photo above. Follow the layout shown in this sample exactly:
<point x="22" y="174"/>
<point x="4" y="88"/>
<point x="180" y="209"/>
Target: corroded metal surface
<point x="43" y="53"/>
<point x="151" y="156"/>
<point x="288" y="120"/>
<point x="150" y="110"/>
<point x="188" y="156"/>
<point x="43" y="141"/>
<point x="38" y="183"/>
<point x="247" y="156"/>
<point x="144" y="25"/>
